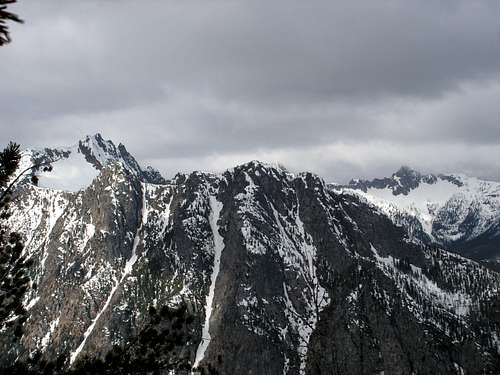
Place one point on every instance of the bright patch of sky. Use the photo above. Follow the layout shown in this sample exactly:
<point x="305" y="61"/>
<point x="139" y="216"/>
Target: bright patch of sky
<point x="70" y="174"/>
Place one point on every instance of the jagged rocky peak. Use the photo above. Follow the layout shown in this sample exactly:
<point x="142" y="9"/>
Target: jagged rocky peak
<point x="408" y="179"/>
<point x="404" y="180"/>
<point x="274" y="179"/>
<point x="75" y="167"/>
<point x="409" y="175"/>
<point x="100" y="152"/>
<point x="407" y="172"/>
<point x="257" y="168"/>
<point x="253" y="172"/>
<point x="97" y="151"/>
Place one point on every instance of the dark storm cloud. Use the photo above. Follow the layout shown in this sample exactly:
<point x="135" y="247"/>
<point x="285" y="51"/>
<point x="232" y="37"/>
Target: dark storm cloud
<point x="322" y="85"/>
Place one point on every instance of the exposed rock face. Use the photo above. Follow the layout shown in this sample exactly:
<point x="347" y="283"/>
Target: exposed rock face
<point x="453" y="211"/>
<point x="295" y="277"/>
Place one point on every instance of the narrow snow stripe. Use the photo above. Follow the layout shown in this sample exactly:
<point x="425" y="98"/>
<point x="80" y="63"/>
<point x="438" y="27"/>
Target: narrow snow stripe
<point x="216" y="208"/>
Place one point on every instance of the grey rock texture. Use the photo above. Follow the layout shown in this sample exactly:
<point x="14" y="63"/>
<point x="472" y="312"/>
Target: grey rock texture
<point x="309" y="282"/>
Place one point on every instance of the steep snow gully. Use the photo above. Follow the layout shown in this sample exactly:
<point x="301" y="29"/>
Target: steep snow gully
<point x="216" y="208"/>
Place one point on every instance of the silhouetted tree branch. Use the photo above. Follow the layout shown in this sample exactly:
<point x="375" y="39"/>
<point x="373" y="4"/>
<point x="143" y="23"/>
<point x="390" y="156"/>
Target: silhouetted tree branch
<point x="4" y="17"/>
<point x="46" y="164"/>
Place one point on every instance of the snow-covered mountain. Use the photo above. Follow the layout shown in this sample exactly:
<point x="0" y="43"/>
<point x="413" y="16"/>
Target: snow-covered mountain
<point x="285" y="275"/>
<point x="456" y="211"/>
<point x="76" y="166"/>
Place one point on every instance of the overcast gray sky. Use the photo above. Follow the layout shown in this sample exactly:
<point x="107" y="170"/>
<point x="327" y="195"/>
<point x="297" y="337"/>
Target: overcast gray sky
<point x="341" y="88"/>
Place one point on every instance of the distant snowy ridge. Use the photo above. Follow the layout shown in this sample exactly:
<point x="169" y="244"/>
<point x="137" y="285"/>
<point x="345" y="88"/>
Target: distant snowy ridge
<point x="450" y="210"/>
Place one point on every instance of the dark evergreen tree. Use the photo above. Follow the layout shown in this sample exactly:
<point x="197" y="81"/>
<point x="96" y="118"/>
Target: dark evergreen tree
<point x="160" y="347"/>
<point x="14" y="280"/>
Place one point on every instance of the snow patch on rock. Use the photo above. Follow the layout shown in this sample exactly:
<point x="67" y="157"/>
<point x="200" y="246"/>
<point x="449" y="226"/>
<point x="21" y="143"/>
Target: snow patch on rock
<point x="216" y="208"/>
